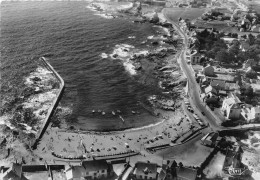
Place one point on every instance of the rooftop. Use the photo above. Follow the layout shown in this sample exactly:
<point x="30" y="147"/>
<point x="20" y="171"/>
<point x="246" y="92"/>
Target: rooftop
<point x="255" y="86"/>
<point x="217" y="83"/>
<point x="187" y="173"/>
<point x="145" y="168"/>
<point x="95" y="165"/>
<point x="225" y="77"/>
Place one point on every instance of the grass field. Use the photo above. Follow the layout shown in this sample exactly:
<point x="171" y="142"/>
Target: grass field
<point x="185" y="13"/>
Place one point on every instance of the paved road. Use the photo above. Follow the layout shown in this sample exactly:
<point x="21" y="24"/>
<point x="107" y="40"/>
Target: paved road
<point x="193" y="88"/>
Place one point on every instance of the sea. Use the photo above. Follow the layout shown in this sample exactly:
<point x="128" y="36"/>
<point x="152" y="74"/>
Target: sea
<point x="79" y="44"/>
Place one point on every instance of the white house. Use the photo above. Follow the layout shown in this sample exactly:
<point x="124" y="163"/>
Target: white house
<point x="210" y="91"/>
<point x="209" y="70"/>
<point x="210" y="139"/>
<point x="145" y="170"/>
<point x="231" y="108"/>
<point x="256" y="88"/>
<point x="97" y="169"/>
<point x="195" y="57"/>
<point x="251" y="114"/>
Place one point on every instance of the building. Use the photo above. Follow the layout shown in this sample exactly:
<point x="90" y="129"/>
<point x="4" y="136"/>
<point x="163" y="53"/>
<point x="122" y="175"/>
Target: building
<point x="218" y="84"/>
<point x="255" y="28"/>
<point x="244" y="46"/>
<point x="210" y="139"/>
<point x="184" y="173"/>
<point x="195" y="57"/>
<point x="229" y="40"/>
<point x="231" y="108"/>
<point x="256" y="88"/>
<point x="251" y="114"/>
<point x="14" y="172"/>
<point x="209" y="70"/>
<point x="210" y="91"/>
<point x="145" y="170"/>
<point x="96" y="169"/>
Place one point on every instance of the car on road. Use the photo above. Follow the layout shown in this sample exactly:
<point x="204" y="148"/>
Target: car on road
<point x="186" y="102"/>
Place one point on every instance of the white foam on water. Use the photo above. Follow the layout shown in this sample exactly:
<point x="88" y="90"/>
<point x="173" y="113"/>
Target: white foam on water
<point x="144" y="52"/>
<point x="106" y="16"/>
<point x="124" y="52"/>
<point x="39" y="72"/>
<point x="131" y="37"/>
<point x="126" y="6"/>
<point x="91" y="8"/>
<point x="150" y="37"/>
<point x="129" y="67"/>
<point x="104" y="55"/>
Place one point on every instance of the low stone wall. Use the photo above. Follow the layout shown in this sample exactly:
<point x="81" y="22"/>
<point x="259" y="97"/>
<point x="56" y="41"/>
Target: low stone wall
<point x="54" y="104"/>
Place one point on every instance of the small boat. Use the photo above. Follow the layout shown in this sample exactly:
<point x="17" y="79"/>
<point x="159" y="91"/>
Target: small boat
<point x="133" y="112"/>
<point x="103" y="113"/>
<point x="93" y="111"/>
<point x="118" y="111"/>
<point x="121" y="118"/>
<point x="113" y="113"/>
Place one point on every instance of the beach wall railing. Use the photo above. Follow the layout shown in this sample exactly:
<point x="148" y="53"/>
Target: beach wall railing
<point x="54" y="105"/>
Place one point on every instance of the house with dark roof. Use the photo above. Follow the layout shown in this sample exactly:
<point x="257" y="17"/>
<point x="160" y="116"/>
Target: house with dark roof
<point x="218" y="84"/>
<point x="144" y="170"/>
<point x="14" y="172"/>
<point x="185" y="173"/>
<point x="96" y="169"/>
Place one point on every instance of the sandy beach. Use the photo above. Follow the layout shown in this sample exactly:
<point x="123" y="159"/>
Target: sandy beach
<point x="68" y="143"/>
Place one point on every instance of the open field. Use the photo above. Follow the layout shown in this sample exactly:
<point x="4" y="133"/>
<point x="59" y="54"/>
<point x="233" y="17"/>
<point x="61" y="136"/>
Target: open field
<point x="214" y="169"/>
<point x="185" y="13"/>
<point x="190" y="154"/>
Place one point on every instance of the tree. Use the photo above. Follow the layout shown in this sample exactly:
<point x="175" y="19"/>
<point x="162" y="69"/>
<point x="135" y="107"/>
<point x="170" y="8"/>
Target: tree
<point x="249" y="92"/>
<point x="234" y="35"/>
<point x="250" y="39"/>
<point x="234" y="49"/>
<point x="223" y="56"/>
<point x="180" y="165"/>
<point x="251" y="74"/>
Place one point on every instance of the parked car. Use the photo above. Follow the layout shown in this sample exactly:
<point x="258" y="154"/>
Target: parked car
<point x="203" y="113"/>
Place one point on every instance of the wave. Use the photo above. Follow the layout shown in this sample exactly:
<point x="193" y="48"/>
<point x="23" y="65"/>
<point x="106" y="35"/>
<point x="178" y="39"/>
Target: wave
<point x="124" y="52"/>
<point x="104" y="55"/>
<point x="150" y="37"/>
<point x="131" y="37"/>
<point x="106" y="16"/>
<point x="129" y="67"/>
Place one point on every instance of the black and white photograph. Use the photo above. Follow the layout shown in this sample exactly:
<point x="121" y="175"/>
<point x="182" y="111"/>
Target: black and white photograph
<point x="130" y="90"/>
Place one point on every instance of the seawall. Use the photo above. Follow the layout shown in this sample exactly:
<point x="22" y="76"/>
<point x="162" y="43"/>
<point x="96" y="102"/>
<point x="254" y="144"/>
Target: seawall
<point x="54" y="105"/>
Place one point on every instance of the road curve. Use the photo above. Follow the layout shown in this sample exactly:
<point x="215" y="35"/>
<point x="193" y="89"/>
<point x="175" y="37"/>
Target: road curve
<point x="194" y="94"/>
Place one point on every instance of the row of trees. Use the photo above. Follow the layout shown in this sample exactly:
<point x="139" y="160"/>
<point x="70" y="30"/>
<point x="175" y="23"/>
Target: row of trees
<point x="217" y="49"/>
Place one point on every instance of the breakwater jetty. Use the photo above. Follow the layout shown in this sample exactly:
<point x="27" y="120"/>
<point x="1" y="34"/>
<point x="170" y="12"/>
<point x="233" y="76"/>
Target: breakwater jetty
<point x="54" y="104"/>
